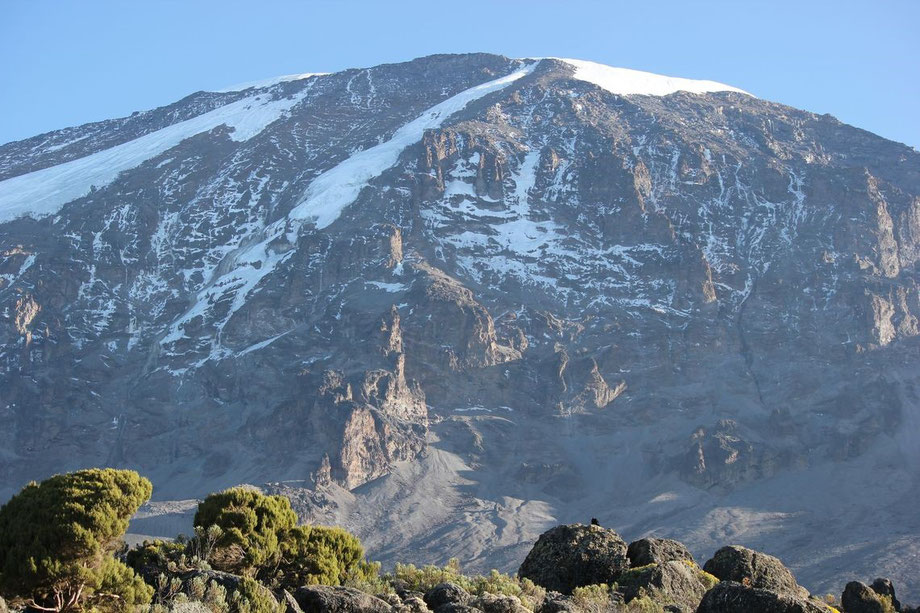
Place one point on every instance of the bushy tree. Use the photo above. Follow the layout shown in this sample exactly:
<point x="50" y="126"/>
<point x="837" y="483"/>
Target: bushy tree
<point x="252" y="525"/>
<point x="57" y="539"/>
<point x="322" y="555"/>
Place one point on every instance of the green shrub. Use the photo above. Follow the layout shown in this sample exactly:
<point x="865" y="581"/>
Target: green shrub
<point x="250" y="524"/>
<point x="57" y="539"/>
<point x="253" y="597"/>
<point x="323" y="555"/>
<point x="592" y="598"/>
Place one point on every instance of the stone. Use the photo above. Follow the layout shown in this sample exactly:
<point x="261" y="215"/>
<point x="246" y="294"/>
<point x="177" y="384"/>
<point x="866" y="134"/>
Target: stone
<point x="860" y="598"/>
<point x="572" y="555"/>
<point x="674" y="583"/>
<point x="655" y="551"/>
<point x="754" y="568"/>
<point x="733" y="597"/>
<point x="446" y="593"/>
<point x="884" y="587"/>
<point x="338" y="599"/>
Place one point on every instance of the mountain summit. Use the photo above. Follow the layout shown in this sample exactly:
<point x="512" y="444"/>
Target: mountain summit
<point x="461" y="299"/>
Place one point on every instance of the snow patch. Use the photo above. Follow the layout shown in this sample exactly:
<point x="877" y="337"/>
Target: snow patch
<point x="45" y="191"/>
<point x="332" y="191"/>
<point x="269" y="82"/>
<point x="625" y="82"/>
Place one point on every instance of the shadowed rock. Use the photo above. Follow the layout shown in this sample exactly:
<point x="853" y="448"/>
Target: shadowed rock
<point x="569" y="556"/>
<point x="338" y="599"/>
<point x="446" y="593"/>
<point x="655" y="551"/>
<point x="759" y="570"/>
<point x="860" y="598"/>
<point x="732" y="597"/>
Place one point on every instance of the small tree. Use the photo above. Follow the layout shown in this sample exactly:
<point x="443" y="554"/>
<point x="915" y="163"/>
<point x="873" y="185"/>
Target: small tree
<point x="251" y="525"/>
<point x="57" y="539"/>
<point x="323" y="555"/>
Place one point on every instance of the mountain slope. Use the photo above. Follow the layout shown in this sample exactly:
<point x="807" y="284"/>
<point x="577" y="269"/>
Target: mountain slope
<point x="487" y="294"/>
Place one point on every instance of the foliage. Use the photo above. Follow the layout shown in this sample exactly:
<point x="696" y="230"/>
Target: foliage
<point x="252" y="597"/>
<point x="592" y="598"/>
<point x="322" y="555"/>
<point x="57" y="537"/>
<point x="250" y="523"/>
<point x="423" y="579"/>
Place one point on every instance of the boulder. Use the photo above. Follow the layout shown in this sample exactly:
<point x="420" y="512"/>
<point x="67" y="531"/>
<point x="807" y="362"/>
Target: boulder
<point x="860" y="598"/>
<point x="733" y="597"/>
<point x="655" y="551"/>
<point x="290" y="603"/>
<point x="734" y="563"/>
<point x="569" y="556"/>
<point x="498" y="603"/>
<point x="554" y="602"/>
<point x="456" y="607"/>
<point x="884" y="587"/>
<point x="338" y="599"/>
<point x="3" y="607"/>
<point x="446" y="593"/>
<point x="674" y="583"/>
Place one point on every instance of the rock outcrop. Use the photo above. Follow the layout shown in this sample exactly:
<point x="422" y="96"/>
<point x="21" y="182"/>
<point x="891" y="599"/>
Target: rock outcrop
<point x="733" y="597"/>
<point x="338" y="599"/>
<point x="569" y="556"/>
<point x="754" y="569"/>
<point x="657" y="551"/>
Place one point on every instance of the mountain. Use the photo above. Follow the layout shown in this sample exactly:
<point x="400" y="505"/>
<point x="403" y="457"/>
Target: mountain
<point x="451" y="302"/>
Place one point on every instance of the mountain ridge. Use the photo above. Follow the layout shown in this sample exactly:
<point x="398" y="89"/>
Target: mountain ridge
<point x="548" y="302"/>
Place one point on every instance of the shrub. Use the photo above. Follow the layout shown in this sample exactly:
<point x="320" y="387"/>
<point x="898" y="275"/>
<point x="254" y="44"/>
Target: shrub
<point x="322" y="555"/>
<point x="251" y="525"/>
<point x="592" y="598"/>
<point x="253" y="597"/>
<point x="57" y="539"/>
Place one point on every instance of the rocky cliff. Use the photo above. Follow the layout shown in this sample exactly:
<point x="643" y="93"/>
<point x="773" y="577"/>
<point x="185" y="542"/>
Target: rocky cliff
<point x="485" y="295"/>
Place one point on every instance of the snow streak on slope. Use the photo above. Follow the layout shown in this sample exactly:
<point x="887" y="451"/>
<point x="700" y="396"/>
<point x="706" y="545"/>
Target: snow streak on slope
<point x="624" y="81"/>
<point x="269" y="82"/>
<point x="338" y="187"/>
<point x="45" y="191"/>
<point x="325" y="198"/>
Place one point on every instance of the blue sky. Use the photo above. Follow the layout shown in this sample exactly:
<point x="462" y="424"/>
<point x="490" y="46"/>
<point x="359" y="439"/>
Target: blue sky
<point x="68" y="62"/>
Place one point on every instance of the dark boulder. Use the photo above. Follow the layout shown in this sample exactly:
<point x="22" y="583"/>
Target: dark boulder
<point x="456" y="607"/>
<point x="733" y="597"/>
<point x="338" y="599"/>
<point x="674" y="583"/>
<point x="860" y="598"/>
<point x="734" y="563"/>
<point x="446" y="593"/>
<point x="554" y="602"/>
<point x="569" y="556"/>
<point x="655" y="551"/>
<point x="884" y="587"/>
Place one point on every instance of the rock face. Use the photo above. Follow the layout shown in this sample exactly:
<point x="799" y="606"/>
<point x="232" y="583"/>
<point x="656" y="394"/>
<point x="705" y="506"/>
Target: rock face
<point x="338" y="599"/>
<point x="657" y="551"/>
<point x="732" y="597"/>
<point x="569" y="556"/>
<point x="474" y="276"/>
<point x="753" y="568"/>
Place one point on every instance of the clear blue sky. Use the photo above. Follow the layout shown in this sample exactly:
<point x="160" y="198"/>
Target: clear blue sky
<point x="67" y="62"/>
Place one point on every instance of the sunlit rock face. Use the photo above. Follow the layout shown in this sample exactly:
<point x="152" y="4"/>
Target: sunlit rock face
<point x="485" y="293"/>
